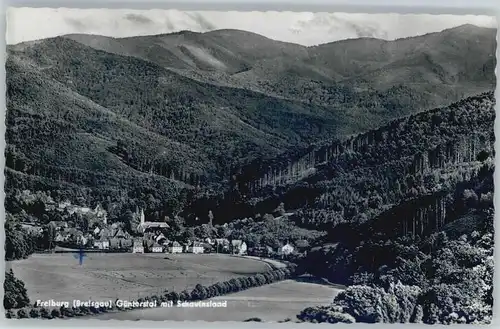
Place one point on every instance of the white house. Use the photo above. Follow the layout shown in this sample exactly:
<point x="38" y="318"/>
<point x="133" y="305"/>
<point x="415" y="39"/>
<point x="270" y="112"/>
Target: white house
<point x="157" y="248"/>
<point x="239" y="247"/>
<point x="196" y="248"/>
<point x="287" y="249"/>
<point x="138" y="247"/>
<point x="243" y="248"/>
<point x="175" y="248"/>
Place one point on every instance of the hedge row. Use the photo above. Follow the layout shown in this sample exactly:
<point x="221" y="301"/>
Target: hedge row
<point x="200" y="292"/>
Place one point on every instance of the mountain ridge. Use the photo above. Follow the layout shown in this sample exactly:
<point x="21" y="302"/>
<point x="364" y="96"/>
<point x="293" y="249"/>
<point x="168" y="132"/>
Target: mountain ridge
<point x="199" y="132"/>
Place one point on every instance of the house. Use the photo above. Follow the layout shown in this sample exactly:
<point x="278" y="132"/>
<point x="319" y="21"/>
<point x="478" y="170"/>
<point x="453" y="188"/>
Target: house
<point x="120" y="234"/>
<point x="81" y="239"/>
<point x="114" y="243"/>
<point x="101" y="244"/>
<point x="238" y="247"/>
<point x="287" y="249"/>
<point x="269" y="250"/>
<point x="59" y="225"/>
<point x="207" y="248"/>
<point x="105" y="244"/>
<point x="301" y="245"/>
<point x="157" y="248"/>
<point x="196" y="248"/>
<point x="138" y="248"/>
<point x="175" y="248"/>
<point x="59" y="237"/>
<point x="160" y="238"/>
<point x="105" y="233"/>
<point x="222" y="245"/>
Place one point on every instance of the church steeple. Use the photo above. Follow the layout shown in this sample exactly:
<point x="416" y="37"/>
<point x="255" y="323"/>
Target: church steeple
<point x="143" y="217"/>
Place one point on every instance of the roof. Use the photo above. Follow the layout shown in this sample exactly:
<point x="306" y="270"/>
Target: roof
<point x="154" y="224"/>
<point x="120" y="233"/>
<point x="176" y="244"/>
<point x="156" y="245"/>
<point x="236" y="242"/>
<point x="197" y="244"/>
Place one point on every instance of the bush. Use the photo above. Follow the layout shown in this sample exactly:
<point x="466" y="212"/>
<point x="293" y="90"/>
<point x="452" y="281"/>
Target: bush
<point x="173" y="296"/>
<point x="330" y="314"/>
<point x="253" y="320"/>
<point x="21" y="314"/>
<point x="374" y="304"/>
<point x="9" y="314"/>
<point x="185" y="296"/>
<point x="34" y="313"/>
<point x="44" y="313"/>
<point x="15" y="294"/>
<point x="55" y="313"/>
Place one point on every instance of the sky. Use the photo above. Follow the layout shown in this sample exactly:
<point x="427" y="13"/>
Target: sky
<point x="305" y="28"/>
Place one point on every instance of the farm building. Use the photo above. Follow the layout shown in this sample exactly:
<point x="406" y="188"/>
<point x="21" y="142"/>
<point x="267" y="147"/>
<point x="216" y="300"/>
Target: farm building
<point x="157" y="248"/>
<point x="175" y="248"/>
<point x="196" y="248"/>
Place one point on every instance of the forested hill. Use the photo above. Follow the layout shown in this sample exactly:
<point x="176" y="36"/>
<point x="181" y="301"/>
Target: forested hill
<point x="357" y="178"/>
<point x="104" y="120"/>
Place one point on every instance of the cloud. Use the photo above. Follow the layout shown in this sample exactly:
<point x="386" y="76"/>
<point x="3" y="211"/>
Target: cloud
<point x="24" y="24"/>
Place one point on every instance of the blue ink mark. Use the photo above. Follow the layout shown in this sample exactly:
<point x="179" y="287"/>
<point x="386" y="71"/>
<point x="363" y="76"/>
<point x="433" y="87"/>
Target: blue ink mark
<point x="80" y="255"/>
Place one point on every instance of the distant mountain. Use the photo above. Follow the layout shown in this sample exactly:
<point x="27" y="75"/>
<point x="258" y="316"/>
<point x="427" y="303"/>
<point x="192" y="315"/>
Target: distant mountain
<point x="365" y="75"/>
<point x="189" y="108"/>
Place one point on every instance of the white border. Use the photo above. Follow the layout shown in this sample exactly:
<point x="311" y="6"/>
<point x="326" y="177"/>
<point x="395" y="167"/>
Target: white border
<point x="478" y="7"/>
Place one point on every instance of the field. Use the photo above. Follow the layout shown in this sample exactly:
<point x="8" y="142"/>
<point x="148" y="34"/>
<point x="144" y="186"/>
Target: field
<point x="127" y="276"/>
<point x="270" y="303"/>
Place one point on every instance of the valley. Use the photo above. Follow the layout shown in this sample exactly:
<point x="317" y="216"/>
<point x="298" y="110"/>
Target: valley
<point x="365" y="163"/>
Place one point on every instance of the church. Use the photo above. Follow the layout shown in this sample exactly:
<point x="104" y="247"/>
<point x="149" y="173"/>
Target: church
<point x="144" y="226"/>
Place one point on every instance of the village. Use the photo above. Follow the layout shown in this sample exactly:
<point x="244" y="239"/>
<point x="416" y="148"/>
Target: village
<point x="80" y="227"/>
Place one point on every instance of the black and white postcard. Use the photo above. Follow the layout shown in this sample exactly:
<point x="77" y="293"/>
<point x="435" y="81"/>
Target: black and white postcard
<point x="249" y="166"/>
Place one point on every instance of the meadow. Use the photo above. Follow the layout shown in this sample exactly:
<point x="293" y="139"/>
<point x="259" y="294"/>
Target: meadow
<point x="126" y="276"/>
<point x="270" y="303"/>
